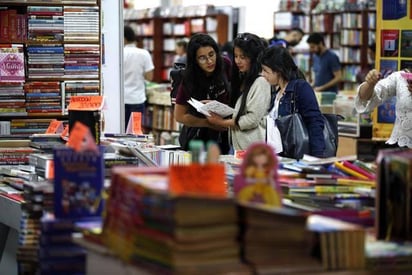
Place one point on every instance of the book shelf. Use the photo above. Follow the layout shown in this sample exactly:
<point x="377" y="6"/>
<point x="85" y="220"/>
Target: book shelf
<point x="348" y="30"/>
<point x="159" y="34"/>
<point x="357" y="33"/>
<point x="57" y="45"/>
<point x="159" y="118"/>
<point x="285" y="20"/>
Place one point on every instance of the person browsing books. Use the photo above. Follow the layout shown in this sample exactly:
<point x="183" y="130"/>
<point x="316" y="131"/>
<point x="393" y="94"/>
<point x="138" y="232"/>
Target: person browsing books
<point x="375" y="90"/>
<point x="279" y="69"/>
<point x="326" y="65"/>
<point x="250" y="95"/>
<point x="137" y="67"/>
<point x="205" y="78"/>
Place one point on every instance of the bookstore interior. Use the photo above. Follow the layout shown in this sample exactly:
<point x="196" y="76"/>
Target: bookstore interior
<point x="83" y="192"/>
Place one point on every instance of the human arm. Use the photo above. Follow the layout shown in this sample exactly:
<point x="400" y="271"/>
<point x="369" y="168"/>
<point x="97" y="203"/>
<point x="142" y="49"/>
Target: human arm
<point x="148" y="66"/>
<point x="374" y="91"/>
<point x="182" y="115"/>
<point x="337" y="77"/>
<point x="149" y="75"/>
<point x="257" y="105"/>
<point x="367" y="87"/>
<point x="308" y="107"/>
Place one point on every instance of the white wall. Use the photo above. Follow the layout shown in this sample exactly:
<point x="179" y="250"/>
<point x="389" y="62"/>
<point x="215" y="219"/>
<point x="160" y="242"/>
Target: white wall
<point x="257" y="17"/>
<point x="112" y="73"/>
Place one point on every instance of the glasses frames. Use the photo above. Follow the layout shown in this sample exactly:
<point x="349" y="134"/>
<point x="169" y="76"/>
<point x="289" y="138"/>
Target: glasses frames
<point x="204" y="58"/>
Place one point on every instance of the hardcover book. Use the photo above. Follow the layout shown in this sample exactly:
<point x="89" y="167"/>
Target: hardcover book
<point x="390" y="43"/>
<point x="78" y="183"/>
<point x="11" y="63"/>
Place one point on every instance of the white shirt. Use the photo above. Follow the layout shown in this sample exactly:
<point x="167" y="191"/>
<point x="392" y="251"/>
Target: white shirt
<point x="136" y="63"/>
<point x="392" y="86"/>
<point x="273" y="135"/>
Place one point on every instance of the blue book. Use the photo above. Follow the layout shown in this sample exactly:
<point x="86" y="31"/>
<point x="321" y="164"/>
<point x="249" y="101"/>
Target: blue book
<point x="78" y="183"/>
<point x="393" y="9"/>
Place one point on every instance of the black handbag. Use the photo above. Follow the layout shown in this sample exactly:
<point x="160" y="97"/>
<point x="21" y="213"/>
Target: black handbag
<point x="331" y="134"/>
<point x="294" y="134"/>
<point x="295" y="137"/>
<point x="187" y="134"/>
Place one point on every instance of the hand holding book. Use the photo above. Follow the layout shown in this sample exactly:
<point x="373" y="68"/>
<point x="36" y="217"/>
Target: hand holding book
<point x="214" y="106"/>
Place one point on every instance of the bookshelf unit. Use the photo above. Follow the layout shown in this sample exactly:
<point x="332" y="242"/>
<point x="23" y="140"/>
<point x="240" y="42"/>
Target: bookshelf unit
<point x="159" y="118"/>
<point x="58" y="42"/>
<point x="285" y="20"/>
<point x="159" y="34"/>
<point x="357" y="33"/>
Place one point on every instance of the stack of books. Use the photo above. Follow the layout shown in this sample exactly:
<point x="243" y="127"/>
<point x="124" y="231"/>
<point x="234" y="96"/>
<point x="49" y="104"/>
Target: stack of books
<point x="276" y="241"/>
<point x="38" y="197"/>
<point x="147" y="226"/>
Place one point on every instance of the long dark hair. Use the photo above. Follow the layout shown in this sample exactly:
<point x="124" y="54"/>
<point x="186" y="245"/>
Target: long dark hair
<point x="195" y="79"/>
<point x="280" y="61"/>
<point x="251" y="46"/>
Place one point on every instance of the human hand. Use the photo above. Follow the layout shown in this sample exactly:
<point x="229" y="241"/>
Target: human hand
<point x="215" y="122"/>
<point x="373" y="77"/>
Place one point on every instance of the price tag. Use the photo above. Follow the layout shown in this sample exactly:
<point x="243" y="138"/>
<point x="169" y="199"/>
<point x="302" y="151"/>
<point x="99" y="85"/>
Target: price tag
<point x="55" y="127"/>
<point x="134" y="126"/>
<point x="86" y="103"/>
<point x="49" y="169"/>
<point x="65" y="133"/>
<point x="81" y="138"/>
<point x="207" y="179"/>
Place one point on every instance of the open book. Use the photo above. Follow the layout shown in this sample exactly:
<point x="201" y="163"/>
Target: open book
<point x="214" y="106"/>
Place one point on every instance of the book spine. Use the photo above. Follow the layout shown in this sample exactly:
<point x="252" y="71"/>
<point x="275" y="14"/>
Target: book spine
<point x="358" y="169"/>
<point x="349" y="171"/>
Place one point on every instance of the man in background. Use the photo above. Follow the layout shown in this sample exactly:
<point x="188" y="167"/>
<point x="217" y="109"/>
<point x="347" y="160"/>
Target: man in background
<point x="326" y="65"/>
<point x="292" y="38"/>
<point x="181" y="48"/>
<point x="137" y="67"/>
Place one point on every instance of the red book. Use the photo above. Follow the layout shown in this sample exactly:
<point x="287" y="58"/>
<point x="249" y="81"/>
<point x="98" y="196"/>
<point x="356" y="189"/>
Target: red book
<point x="359" y="170"/>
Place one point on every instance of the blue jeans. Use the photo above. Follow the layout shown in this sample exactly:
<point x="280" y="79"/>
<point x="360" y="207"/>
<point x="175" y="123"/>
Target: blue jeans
<point x="129" y="108"/>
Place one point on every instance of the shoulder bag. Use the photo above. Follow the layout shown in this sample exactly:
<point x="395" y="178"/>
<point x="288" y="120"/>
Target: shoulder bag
<point x="295" y="136"/>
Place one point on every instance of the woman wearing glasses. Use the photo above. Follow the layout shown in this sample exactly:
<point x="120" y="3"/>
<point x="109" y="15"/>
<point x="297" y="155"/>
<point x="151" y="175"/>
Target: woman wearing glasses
<point x="206" y="78"/>
<point x="250" y="95"/>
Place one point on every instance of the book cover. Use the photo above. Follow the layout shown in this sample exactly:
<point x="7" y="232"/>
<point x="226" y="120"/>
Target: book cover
<point x="388" y="66"/>
<point x="78" y="183"/>
<point x="12" y="64"/>
<point x="386" y="111"/>
<point x="393" y="9"/>
<point x="214" y="106"/>
<point x="406" y="64"/>
<point x="406" y="43"/>
<point x="389" y="43"/>
<point x="398" y="198"/>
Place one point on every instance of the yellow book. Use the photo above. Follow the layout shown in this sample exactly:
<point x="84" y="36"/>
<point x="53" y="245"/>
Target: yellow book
<point x="357" y="182"/>
<point x="349" y="171"/>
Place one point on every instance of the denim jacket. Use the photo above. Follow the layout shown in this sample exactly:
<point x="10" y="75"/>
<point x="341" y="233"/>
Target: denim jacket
<point x="308" y="107"/>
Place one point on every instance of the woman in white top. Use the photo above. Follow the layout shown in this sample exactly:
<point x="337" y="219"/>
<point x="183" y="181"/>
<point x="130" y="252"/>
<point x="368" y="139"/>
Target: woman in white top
<point x="250" y="95"/>
<point x="375" y="90"/>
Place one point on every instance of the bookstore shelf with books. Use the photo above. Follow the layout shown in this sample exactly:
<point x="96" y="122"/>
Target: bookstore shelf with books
<point x="49" y="50"/>
<point x="158" y="118"/>
<point x="158" y="30"/>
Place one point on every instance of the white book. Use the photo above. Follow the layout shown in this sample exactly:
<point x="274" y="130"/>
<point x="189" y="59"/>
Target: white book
<point x="214" y="106"/>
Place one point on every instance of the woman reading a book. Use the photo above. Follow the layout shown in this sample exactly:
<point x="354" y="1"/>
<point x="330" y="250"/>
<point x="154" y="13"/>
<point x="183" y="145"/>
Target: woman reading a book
<point x="205" y="78"/>
<point x="250" y="95"/>
<point x="292" y="92"/>
<point x="375" y="90"/>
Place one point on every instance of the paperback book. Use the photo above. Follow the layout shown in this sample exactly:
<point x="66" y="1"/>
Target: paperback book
<point x="78" y="183"/>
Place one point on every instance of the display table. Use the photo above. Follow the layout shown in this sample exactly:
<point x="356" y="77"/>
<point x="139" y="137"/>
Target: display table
<point x="100" y="260"/>
<point x="10" y="213"/>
